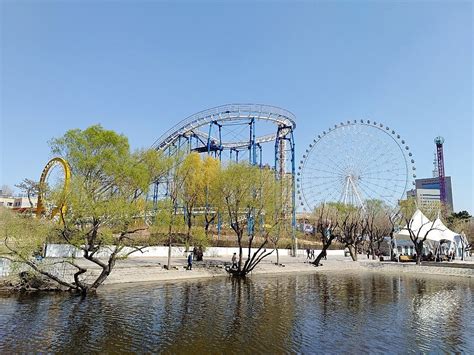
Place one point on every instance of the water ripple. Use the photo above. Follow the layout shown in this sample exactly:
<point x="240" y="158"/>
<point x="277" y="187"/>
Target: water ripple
<point x="320" y="313"/>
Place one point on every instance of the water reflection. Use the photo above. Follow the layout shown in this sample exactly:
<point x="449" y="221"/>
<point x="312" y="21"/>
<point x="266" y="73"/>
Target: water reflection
<point x="307" y="313"/>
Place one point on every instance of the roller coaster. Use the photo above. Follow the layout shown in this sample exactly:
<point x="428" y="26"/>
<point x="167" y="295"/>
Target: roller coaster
<point x="257" y="133"/>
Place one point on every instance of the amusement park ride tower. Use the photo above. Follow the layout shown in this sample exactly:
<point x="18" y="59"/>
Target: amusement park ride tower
<point x="442" y="184"/>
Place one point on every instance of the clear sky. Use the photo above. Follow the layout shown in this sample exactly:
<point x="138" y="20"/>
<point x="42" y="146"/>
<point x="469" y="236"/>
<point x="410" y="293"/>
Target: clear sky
<point x="140" y="67"/>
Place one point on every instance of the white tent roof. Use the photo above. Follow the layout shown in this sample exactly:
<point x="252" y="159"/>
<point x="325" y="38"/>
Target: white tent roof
<point x="417" y="222"/>
<point x="421" y="225"/>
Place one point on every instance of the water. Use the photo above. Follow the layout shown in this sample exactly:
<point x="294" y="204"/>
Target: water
<point x="322" y="313"/>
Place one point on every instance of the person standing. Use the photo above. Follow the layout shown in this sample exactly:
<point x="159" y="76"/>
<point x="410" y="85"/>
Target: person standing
<point x="308" y="253"/>
<point x="190" y="261"/>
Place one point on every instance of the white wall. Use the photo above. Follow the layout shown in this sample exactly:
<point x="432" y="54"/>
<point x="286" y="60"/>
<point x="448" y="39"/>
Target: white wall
<point x="4" y="267"/>
<point x="62" y="251"/>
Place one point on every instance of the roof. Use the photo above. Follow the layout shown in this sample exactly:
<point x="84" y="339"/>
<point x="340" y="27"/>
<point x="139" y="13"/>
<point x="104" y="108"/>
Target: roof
<point x="421" y="226"/>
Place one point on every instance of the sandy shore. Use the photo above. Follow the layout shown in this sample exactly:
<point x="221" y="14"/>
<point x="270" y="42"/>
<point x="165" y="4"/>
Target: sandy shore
<point x="151" y="269"/>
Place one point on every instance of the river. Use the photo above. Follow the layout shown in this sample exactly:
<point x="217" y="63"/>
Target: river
<point x="308" y="313"/>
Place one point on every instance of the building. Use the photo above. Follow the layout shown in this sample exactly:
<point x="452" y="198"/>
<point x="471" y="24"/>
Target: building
<point x="427" y="193"/>
<point x="19" y="203"/>
<point x="7" y="201"/>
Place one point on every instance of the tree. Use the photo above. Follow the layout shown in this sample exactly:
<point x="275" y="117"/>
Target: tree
<point x="30" y="188"/>
<point x="106" y="199"/>
<point x="378" y="224"/>
<point x="457" y="220"/>
<point x="418" y="234"/>
<point x="278" y="216"/>
<point x="6" y="190"/>
<point x="192" y="189"/>
<point x="248" y="196"/>
<point x="326" y="226"/>
<point x="211" y="198"/>
<point x="168" y="209"/>
<point x="353" y="228"/>
<point x="22" y="234"/>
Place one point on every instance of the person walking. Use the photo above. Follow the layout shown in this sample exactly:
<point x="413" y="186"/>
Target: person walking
<point x="312" y="254"/>
<point x="190" y="261"/>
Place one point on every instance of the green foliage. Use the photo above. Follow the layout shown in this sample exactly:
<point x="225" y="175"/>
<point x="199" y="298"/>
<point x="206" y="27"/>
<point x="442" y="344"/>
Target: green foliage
<point x="106" y="200"/>
<point x="248" y="194"/>
<point x="22" y="233"/>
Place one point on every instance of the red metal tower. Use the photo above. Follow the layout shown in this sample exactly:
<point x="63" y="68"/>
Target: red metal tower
<point x="442" y="185"/>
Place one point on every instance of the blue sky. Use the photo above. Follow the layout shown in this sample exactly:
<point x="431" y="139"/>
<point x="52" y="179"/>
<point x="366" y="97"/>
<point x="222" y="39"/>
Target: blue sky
<point x="140" y="67"/>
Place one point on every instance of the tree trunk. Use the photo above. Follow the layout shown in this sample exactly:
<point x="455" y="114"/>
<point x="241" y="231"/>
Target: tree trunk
<point x="169" y="248"/>
<point x="188" y="233"/>
<point x="321" y="254"/>
<point x="188" y="239"/>
<point x="352" y="251"/>
<point x="419" y="251"/>
<point x="418" y="259"/>
<point x="278" y="256"/>
<point x="239" y="239"/>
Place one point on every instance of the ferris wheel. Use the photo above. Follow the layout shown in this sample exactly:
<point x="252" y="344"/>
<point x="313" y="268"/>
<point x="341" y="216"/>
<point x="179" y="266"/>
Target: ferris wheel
<point x="353" y="162"/>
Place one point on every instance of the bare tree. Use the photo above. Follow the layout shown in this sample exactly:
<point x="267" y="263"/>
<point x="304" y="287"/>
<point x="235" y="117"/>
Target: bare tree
<point x="353" y="229"/>
<point x="326" y="225"/>
<point x="418" y="228"/>
<point x="6" y="190"/>
<point x="379" y="225"/>
<point x="30" y="188"/>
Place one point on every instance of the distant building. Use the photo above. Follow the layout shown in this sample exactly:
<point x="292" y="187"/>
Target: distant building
<point x="427" y="193"/>
<point x="7" y="201"/>
<point x="19" y="203"/>
<point x="22" y="203"/>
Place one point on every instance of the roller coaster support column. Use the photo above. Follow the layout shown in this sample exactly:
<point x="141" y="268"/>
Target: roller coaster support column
<point x="252" y="145"/>
<point x="252" y="161"/>
<point x="293" y="195"/>
<point x="220" y="142"/>
<point x="211" y="145"/>
<point x="280" y="172"/>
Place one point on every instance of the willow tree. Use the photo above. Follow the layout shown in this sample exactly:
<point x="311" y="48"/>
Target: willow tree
<point x="248" y="197"/>
<point x="22" y="237"/>
<point x="106" y="201"/>
<point x="278" y="218"/>
<point x="191" y="189"/>
<point x="210" y="197"/>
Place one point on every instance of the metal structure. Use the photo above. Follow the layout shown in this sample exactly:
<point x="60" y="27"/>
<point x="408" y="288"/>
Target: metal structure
<point x="442" y="183"/>
<point x="48" y="208"/>
<point x="236" y="132"/>
<point x="352" y="162"/>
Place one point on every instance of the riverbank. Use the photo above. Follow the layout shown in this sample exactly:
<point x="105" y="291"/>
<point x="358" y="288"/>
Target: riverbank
<point x="152" y="269"/>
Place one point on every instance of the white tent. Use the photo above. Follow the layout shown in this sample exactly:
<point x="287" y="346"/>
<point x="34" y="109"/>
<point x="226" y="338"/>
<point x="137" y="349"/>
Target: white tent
<point x="420" y="225"/>
<point x="436" y="233"/>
